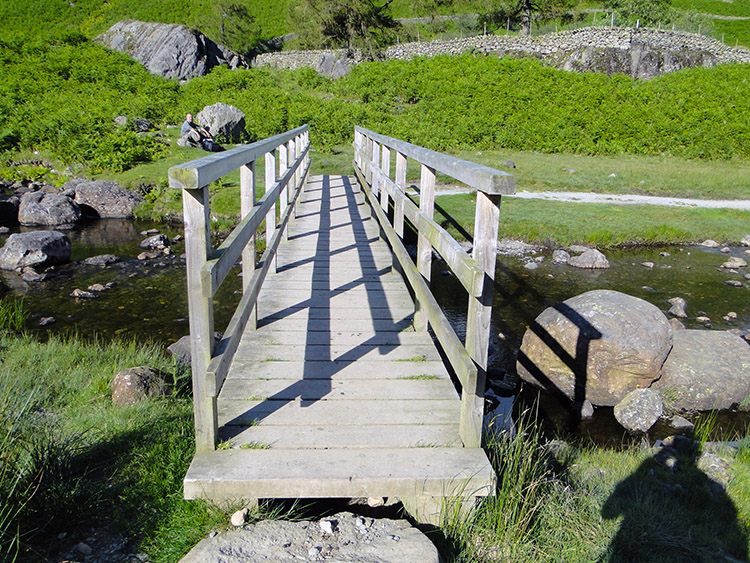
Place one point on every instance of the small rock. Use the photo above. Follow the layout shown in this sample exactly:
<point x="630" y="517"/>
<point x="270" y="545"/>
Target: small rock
<point x="639" y="410"/>
<point x="680" y="424"/>
<point x="745" y="240"/>
<point x="80" y="294"/>
<point x="531" y="265"/>
<point x="328" y="526"/>
<point x="98" y="287"/>
<point x="587" y="410"/>
<point x="703" y="319"/>
<point x="747" y="276"/>
<point x="133" y="385"/>
<point x="734" y="283"/>
<point x="149" y="232"/>
<point x="733" y="263"/>
<point x="29" y="274"/>
<point x="157" y="242"/>
<point x="613" y="175"/>
<point x="678" y="307"/>
<point x="648" y="265"/>
<point x="84" y="549"/>
<point x="46" y="321"/>
<point x="375" y="502"/>
<point x="665" y="254"/>
<point x="212" y="534"/>
<point x="314" y="552"/>
<point x="647" y="288"/>
<point x="147" y="256"/>
<point x="709" y="243"/>
<point x="121" y="120"/>
<point x="4" y="230"/>
<point x="591" y="259"/>
<point x="560" y="257"/>
<point x="101" y="260"/>
<point x="509" y="163"/>
<point x="239" y="518"/>
<point x="726" y="250"/>
<point x="676" y="324"/>
<point x="570" y="170"/>
<point x="578" y="249"/>
<point x="717" y="468"/>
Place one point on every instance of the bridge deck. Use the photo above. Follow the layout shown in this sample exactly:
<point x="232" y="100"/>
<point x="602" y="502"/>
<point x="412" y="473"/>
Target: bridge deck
<point x="335" y="394"/>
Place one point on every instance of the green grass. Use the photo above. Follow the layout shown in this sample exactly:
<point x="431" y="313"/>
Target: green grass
<point x="422" y="377"/>
<point x="603" y="225"/>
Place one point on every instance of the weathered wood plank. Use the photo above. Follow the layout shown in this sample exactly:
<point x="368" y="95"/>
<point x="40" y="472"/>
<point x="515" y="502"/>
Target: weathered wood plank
<point x="344" y="390"/>
<point x="398" y="472"/>
<point x="335" y="370"/>
<point x="324" y="353"/>
<point x="357" y="412"/>
<point x="272" y="336"/>
<point x="342" y="325"/>
<point x="343" y="436"/>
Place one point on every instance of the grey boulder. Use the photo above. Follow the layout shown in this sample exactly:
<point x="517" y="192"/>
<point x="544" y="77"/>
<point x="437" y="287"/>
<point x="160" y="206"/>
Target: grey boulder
<point x="133" y="385"/>
<point x="106" y="199"/>
<point x="37" y="248"/>
<point x="225" y="122"/>
<point x="171" y="51"/>
<point x="639" y="410"/>
<point x="599" y="346"/>
<point x="42" y="208"/>
<point x="341" y="538"/>
<point x="706" y="370"/>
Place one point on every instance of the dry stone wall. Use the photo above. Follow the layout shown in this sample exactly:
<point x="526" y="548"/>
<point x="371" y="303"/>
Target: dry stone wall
<point x="649" y="52"/>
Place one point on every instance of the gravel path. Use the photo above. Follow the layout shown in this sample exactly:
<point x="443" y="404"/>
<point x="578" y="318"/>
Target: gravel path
<point x="586" y="197"/>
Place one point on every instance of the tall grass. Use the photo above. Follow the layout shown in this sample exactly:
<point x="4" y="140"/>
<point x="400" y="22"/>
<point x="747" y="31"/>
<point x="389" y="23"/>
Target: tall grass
<point x="13" y="315"/>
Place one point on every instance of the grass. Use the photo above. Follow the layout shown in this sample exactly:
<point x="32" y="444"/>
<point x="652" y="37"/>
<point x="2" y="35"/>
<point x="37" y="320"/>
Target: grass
<point x="422" y="377"/>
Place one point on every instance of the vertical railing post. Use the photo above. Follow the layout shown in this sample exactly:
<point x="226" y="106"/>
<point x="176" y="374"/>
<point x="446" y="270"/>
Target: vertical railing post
<point x="424" y="248"/>
<point x="374" y="163"/>
<point x="398" y="212"/>
<point x="247" y="202"/>
<point x="201" y="313"/>
<point x="385" y="166"/>
<point x="486" y="223"/>
<point x="271" y="215"/>
<point x="298" y="146"/>
<point x="284" y="160"/>
<point x="368" y="159"/>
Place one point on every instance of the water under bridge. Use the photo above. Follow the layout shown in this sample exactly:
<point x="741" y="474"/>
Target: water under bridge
<point x="338" y="376"/>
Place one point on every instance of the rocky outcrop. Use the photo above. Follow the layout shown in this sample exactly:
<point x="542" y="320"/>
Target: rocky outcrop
<point x="171" y="51"/>
<point x="640" y="53"/>
<point x="597" y="346"/>
<point x="42" y="208"/>
<point x="226" y="123"/>
<point x="706" y="370"/>
<point x="37" y="248"/>
<point x="105" y="199"/>
<point x="338" y="538"/>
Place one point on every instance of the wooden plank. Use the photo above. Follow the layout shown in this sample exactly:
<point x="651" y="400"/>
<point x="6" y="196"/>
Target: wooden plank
<point x="343" y="324"/>
<point x="323" y="315"/>
<point x="270" y="336"/>
<point x="242" y="369"/>
<point x="344" y="390"/>
<point x="343" y="436"/>
<point x="320" y="353"/>
<point x="482" y="178"/>
<point x="201" y="172"/>
<point x="358" y="412"/>
<point x="339" y="473"/>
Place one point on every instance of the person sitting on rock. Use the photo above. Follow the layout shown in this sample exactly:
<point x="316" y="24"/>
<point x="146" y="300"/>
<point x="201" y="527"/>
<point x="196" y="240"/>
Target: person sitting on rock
<point x="192" y="133"/>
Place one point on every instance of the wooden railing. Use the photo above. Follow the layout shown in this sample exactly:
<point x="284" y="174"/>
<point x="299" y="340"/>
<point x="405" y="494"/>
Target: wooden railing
<point x="208" y="267"/>
<point x="372" y="164"/>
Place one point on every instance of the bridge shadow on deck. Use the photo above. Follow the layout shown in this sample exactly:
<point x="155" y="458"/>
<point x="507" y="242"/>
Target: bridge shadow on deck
<point x="319" y="364"/>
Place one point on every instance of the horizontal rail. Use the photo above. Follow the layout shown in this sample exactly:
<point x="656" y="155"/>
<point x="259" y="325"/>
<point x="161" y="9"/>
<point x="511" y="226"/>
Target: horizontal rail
<point x="482" y="178"/>
<point x="461" y="264"/>
<point x="227" y="254"/>
<point x="201" y="172"/>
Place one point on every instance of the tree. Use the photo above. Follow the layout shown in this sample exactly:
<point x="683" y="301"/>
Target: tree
<point x="499" y="13"/>
<point x="354" y="24"/>
<point x="647" y="12"/>
<point x="237" y="29"/>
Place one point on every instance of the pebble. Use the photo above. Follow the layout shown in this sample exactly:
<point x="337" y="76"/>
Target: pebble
<point x="734" y="283"/>
<point x="149" y="232"/>
<point x="80" y="294"/>
<point x="212" y="534"/>
<point x="703" y="319"/>
<point x="665" y="254"/>
<point x="731" y="315"/>
<point x="84" y="549"/>
<point x="648" y="265"/>
<point x="531" y="265"/>
<point x="647" y="288"/>
<point x="726" y="250"/>
<point x="327" y="527"/>
<point x="239" y="518"/>
<point x="710" y="243"/>
<point x="46" y="321"/>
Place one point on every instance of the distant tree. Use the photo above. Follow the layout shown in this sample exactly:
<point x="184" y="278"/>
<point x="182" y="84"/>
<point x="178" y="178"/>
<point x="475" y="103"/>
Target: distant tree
<point x="237" y="28"/>
<point x="499" y="13"/>
<point x="648" y="12"/>
<point x="363" y="25"/>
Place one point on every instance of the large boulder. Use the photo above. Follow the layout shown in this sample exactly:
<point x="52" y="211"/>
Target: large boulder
<point x="225" y="122"/>
<point x="106" y="199"/>
<point x="133" y="385"/>
<point x="42" y="208"/>
<point x="597" y="346"/>
<point x="37" y="248"/>
<point x="705" y="370"/>
<point x="171" y="51"/>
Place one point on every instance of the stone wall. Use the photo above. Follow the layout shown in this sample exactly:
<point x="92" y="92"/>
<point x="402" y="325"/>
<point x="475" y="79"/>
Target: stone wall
<point x="552" y="47"/>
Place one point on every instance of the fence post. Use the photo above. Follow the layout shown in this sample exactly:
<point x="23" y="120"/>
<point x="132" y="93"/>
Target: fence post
<point x="285" y="157"/>
<point x="271" y="215"/>
<point x="424" y="248"/>
<point x="247" y="202"/>
<point x="486" y="223"/>
<point x="201" y="313"/>
<point x="385" y="166"/>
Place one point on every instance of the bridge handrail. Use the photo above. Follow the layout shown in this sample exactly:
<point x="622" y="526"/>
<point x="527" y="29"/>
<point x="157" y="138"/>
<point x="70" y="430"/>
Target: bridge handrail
<point x="372" y="165"/>
<point x="207" y="267"/>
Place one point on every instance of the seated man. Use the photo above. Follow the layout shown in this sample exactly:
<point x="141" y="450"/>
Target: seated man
<point x="192" y="133"/>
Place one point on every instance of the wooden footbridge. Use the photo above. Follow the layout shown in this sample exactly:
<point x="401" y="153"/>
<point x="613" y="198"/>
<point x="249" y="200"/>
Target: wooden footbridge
<point x="327" y="382"/>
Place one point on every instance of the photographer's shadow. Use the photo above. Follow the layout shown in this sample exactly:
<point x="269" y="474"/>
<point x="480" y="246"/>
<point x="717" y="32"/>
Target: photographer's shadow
<point x="673" y="512"/>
